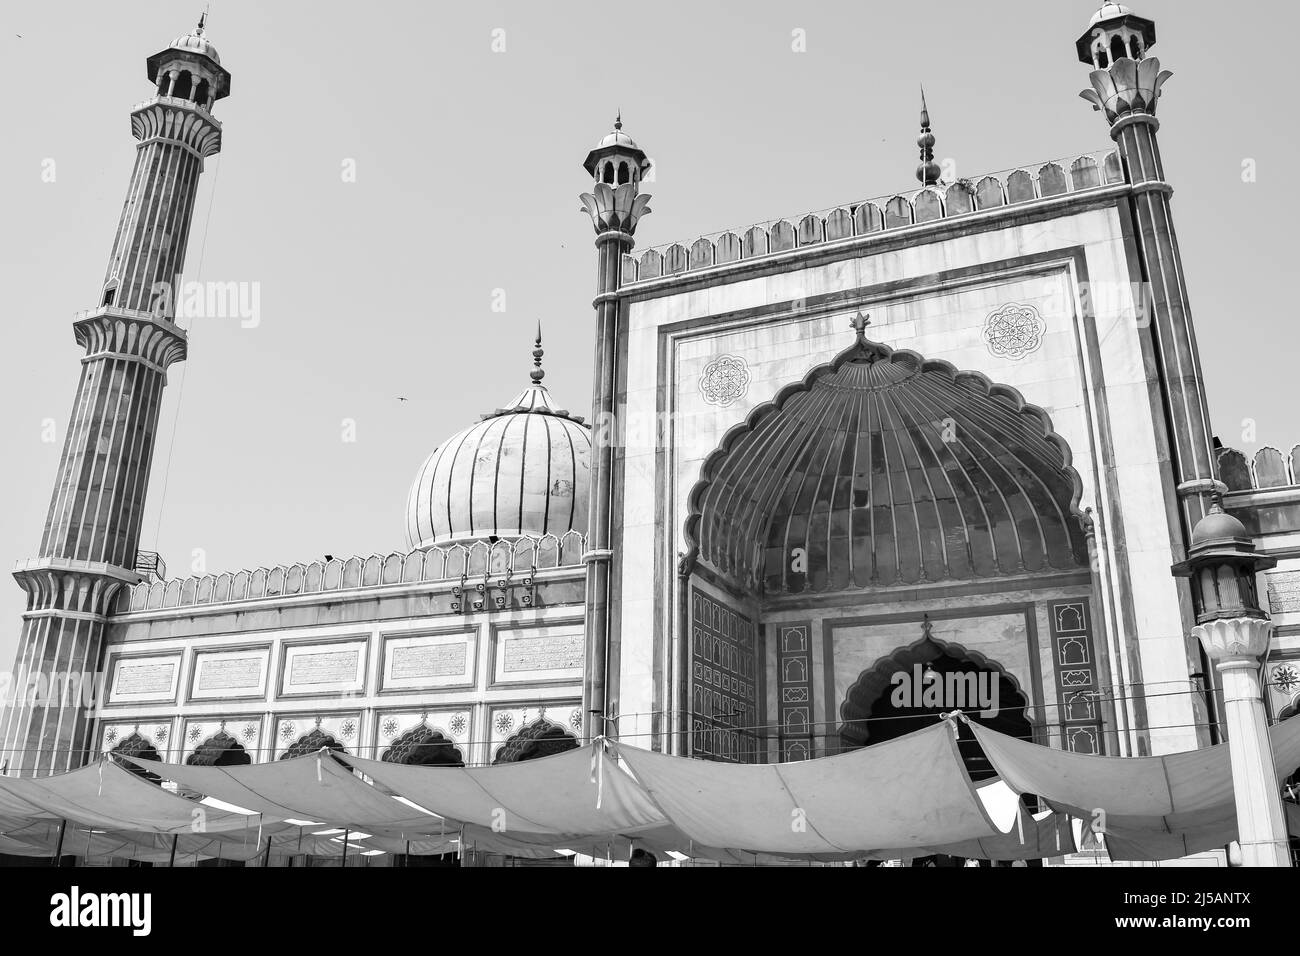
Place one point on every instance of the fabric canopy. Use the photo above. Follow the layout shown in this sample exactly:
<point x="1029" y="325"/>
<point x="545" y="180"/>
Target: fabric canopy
<point x="912" y="792"/>
<point x="315" y="789"/>
<point x="903" y="798"/>
<point x="103" y="795"/>
<point x="1155" y="808"/>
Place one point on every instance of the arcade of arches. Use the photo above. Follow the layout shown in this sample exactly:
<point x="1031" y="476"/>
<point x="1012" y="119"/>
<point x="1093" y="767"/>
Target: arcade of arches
<point x="884" y="519"/>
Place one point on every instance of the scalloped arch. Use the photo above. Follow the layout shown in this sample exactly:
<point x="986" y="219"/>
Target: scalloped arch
<point x="877" y="678"/>
<point x="880" y="468"/>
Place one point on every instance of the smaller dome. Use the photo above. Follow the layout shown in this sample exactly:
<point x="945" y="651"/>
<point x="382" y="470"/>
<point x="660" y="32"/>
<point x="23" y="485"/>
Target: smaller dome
<point x="1217" y="525"/>
<point x="1109" y="11"/>
<point x="617" y="138"/>
<point x="522" y="471"/>
<point x="196" y="43"/>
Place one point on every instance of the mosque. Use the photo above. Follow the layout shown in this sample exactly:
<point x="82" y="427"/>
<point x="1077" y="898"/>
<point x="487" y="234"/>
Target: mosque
<point x="959" y="427"/>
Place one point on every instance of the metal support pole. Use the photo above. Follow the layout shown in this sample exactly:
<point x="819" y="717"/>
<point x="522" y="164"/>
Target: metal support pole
<point x="57" y="860"/>
<point x="172" y="860"/>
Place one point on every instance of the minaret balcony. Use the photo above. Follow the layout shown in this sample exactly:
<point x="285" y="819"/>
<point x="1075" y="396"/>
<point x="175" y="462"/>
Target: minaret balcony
<point x="113" y="331"/>
<point x="178" y="101"/>
<point x="174" y="120"/>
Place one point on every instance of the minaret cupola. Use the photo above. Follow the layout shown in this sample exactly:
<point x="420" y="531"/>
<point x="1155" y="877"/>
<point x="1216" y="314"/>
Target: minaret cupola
<point x="190" y="69"/>
<point x="617" y="159"/>
<point x="1115" y="32"/>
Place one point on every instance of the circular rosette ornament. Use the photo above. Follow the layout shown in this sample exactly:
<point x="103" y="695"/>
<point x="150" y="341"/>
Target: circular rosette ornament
<point x="724" y="380"/>
<point x="1286" y="678"/>
<point x="1014" y="331"/>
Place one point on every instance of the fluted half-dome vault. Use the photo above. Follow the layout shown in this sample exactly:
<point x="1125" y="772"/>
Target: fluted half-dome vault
<point x="882" y="468"/>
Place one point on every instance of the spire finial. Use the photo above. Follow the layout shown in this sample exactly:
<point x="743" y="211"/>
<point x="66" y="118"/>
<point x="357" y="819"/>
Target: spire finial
<point x="537" y="373"/>
<point x="859" y="324"/>
<point x="618" y="118"/>
<point x="928" y="171"/>
<point x="203" y="18"/>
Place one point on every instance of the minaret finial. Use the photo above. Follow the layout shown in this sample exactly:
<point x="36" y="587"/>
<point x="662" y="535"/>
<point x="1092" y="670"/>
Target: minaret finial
<point x="203" y="19"/>
<point x="928" y="171"/>
<point x="537" y="373"/>
<point x="618" y="118"/>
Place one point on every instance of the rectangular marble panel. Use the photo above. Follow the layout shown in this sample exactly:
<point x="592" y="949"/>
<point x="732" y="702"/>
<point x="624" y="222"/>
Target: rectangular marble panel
<point x="539" y="654"/>
<point x="323" y="669"/>
<point x="428" y="660"/>
<point x="144" y="679"/>
<point x="229" y="674"/>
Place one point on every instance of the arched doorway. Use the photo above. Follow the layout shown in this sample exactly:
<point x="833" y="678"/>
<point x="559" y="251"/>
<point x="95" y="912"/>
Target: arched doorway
<point x="133" y="745"/>
<point x="219" y="750"/>
<point x="423" y="746"/>
<point x="541" y="738"/>
<point x="881" y="487"/>
<point x="909" y="690"/>
<point x="311" y="742"/>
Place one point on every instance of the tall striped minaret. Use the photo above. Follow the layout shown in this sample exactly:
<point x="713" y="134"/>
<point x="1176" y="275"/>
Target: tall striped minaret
<point x="1126" y="86"/>
<point x="88" y="550"/>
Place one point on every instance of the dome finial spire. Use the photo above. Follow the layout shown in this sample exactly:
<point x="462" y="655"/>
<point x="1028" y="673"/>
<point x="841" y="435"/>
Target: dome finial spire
<point x="618" y="118"/>
<point x="537" y="373"/>
<point x="203" y="19"/>
<point x="928" y="171"/>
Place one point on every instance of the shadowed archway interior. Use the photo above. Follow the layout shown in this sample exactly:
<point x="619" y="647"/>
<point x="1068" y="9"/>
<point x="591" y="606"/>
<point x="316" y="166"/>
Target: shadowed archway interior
<point x="882" y="469"/>
<point x="874" y="711"/>
<point x="425" y="747"/>
<point x="541" y="738"/>
<point x="219" y="750"/>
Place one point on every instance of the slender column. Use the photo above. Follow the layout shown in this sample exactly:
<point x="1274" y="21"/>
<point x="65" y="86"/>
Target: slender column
<point x="614" y="213"/>
<point x="1236" y="645"/>
<point x="92" y="529"/>
<point x="599" y="557"/>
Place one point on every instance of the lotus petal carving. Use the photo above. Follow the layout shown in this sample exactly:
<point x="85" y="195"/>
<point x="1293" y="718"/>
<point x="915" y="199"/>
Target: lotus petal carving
<point x="1128" y="86"/>
<point x="613" y="207"/>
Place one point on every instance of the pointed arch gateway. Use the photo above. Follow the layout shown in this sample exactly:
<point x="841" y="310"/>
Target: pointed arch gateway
<point x="888" y="700"/>
<point x="882" y="468"/>
<point x="880" y="478"/>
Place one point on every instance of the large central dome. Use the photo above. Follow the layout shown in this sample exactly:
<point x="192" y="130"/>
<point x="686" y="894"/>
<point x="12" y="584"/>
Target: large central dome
<point x="521" y="471"/>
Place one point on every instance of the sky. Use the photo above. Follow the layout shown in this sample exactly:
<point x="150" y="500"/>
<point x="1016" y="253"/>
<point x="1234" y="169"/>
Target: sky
<point x="392" y="173"/>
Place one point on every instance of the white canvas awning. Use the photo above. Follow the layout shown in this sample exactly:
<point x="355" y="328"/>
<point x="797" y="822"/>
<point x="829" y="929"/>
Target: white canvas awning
<point x="909" y="792"/>
<point x="1153" y="808"/>
<point x="105" y="796"/>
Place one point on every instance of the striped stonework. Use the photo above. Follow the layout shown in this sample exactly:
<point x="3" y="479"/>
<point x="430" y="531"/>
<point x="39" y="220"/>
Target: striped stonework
<point x="92" y="530"/>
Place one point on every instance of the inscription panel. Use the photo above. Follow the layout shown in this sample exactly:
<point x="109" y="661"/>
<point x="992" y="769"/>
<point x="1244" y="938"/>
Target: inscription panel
<point x="151" y="678"/>
<point x="429" y="660"/>
<point x="326" y="667"/>
<point x="323" y="668"/>
<point x="230" y="674"/>
<point x="143" y="679"/>
<point x="536" y="654"/>
<point x="435" y="661"/>
<point x="542" y="653"/>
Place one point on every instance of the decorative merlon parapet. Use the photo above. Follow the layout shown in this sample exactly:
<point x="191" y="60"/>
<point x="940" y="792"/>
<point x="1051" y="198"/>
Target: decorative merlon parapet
<point x="504" y="560"/>
<point x="1235" y="639"/>
<point x="1077" y="174"/>
<point x="1268" y="468"/>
